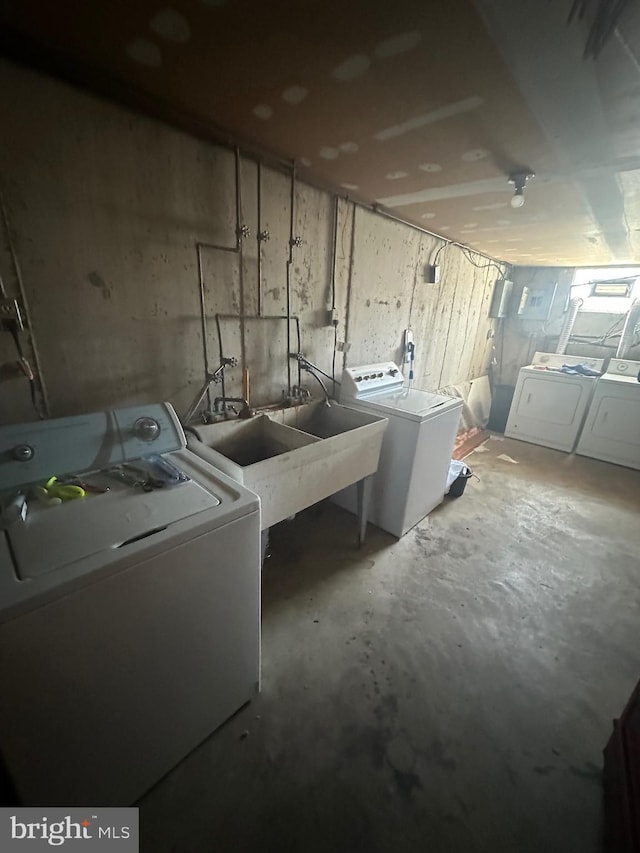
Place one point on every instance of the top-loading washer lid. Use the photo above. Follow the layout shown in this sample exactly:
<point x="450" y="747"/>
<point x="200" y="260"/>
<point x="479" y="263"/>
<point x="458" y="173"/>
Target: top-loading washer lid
<point x="410" y="403"/>
<point x="54" y="537"/>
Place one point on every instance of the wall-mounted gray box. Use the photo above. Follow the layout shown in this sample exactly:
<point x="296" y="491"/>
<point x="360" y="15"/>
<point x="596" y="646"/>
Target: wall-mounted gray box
<point x="537" y="301"/>
<point x="501" y="298"/>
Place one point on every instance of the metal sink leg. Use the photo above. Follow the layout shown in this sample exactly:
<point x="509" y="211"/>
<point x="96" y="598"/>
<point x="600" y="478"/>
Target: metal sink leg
<point x="364" y="488"/>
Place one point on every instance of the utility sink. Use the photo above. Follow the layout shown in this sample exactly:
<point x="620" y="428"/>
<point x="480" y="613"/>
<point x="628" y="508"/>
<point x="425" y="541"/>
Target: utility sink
<point x="245" y="443"/>
<point x="295" y="457"/>
<point x="325" y="422"/>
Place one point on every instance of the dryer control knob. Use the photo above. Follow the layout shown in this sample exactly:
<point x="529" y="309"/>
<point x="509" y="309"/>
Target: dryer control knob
<point x="393" y="372"/>
<point x="23" y="452"/>
<point x="146" y="429"/>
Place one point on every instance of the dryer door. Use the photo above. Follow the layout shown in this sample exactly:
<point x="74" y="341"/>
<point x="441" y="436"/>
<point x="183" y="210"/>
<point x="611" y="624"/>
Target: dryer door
<point x="549" y="409"/>
<point x="617" y="419"/>
<point x="612" y="430"/>
<point x="552" y="401"/>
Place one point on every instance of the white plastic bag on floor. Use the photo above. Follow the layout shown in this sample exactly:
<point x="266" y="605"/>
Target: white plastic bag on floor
<point x="456" y="467"/>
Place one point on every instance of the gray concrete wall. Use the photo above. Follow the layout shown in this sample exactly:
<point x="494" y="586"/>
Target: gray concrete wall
<point x="104" y="210"/>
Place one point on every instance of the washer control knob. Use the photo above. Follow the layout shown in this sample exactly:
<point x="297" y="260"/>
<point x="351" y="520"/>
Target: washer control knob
<point x="393" y="372"/>
<point x="367" y="377"/>
<point x="23" y="452"/>
<point x="358" y="378"/>
<point x="146" y="429"/>
<point x="380" y="375"/>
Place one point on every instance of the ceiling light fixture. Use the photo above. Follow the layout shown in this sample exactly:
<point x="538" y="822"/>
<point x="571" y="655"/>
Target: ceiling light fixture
<point x="519" y="181"/>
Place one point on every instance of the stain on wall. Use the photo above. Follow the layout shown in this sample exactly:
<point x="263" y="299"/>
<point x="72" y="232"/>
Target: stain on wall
<point x="106" y="209"/>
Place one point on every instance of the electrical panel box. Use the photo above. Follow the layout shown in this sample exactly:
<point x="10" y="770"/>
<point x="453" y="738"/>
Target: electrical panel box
<point x="501" y="298"/>
<point x="536" y="301"/>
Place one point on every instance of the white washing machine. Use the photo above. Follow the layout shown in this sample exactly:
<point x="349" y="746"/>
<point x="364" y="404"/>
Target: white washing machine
<point x="548" y="406"/>
<point x="130" y="618"/>
<point x="612" y="428"/>
<point x="416" y="448"/>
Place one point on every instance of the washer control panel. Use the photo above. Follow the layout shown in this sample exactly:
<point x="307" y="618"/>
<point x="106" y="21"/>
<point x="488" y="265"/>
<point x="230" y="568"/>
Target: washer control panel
<point x="33" y="452"/>
<point x="370" y="378"/>
<point x="556" y="361"/>
<point x="623" y="367"/>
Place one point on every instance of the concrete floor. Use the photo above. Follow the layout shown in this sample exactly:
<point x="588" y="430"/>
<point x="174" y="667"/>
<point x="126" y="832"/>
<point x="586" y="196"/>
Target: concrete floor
<point x="449" y="692"/>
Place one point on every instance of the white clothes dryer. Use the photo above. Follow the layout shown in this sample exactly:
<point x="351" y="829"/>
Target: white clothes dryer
<point x="612" y="428"/>
<point x="549" y="407"/>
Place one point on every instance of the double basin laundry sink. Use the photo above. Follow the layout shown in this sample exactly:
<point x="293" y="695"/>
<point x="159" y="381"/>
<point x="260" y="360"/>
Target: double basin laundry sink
<point x="295" y="457"/>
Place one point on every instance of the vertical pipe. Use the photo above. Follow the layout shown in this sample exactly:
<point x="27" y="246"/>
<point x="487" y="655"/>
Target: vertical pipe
<point x="259" y="226"/>
<point x="23" y="296"/>
<point x="334" y="247"/>
<point x="235" y="249"/>
<point x="203" y="318"/>
<point x="240" y="217"/>
<point x="238" y="198"/>
<point x="352" y="249"/>
<point x="292" y="215"/>
<point x="221" y="352"/>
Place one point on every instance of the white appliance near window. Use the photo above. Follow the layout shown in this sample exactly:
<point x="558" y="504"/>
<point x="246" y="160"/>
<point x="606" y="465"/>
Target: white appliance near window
<point x="130" y="618"/>
<point x="416" y="448"/>
<point x="612" y="428"/>
<point x="548" y="406"/>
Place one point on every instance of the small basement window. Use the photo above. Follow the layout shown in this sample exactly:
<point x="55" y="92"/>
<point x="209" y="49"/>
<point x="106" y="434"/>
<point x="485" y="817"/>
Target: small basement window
<point x="606" y="290"/>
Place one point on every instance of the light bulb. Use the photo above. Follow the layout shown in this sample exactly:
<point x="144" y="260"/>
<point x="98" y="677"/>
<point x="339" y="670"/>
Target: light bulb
<point x="518" y="199"/>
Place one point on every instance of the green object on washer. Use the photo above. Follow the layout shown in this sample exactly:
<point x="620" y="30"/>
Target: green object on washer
<point x="62" y="491"/>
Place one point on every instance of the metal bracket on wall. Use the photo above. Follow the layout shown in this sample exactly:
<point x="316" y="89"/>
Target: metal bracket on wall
<point x="243" y="232"/>
<point x="297" y="242"/>
<point x="10" y="313"/>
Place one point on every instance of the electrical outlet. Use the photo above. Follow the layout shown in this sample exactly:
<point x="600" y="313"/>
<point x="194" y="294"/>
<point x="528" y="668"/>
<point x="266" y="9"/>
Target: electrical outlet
<point x="10" y="312"/>
<point x="432" y="273"/>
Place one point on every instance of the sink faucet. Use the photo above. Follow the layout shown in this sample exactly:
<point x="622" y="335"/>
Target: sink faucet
<point x="216" y="376"/>
<point x="327" y="401"/>
<point x="300" y="392"/>
<point x="305" y="364"/>
<point x="245" y="411"/>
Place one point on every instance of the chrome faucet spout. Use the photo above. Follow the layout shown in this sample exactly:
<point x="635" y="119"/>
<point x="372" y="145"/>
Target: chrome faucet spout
<point x="327" y="400"/>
